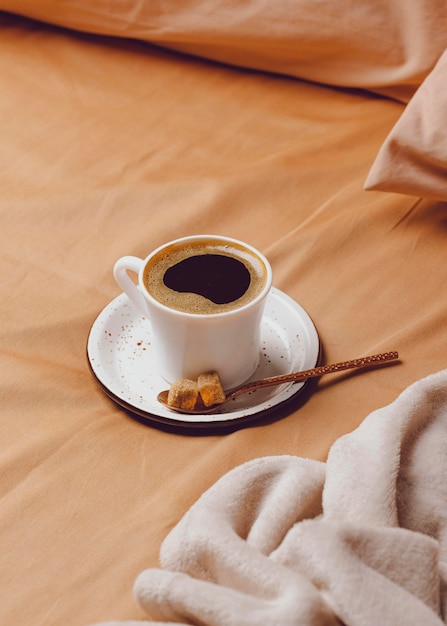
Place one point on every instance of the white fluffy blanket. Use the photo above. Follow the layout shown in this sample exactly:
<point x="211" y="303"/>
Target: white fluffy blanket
<point x="360" y="540"/>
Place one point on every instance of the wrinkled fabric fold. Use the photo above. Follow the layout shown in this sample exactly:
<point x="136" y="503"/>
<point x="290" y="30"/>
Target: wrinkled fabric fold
<point x="359" y="540"/>
<point x="382" y="46"/>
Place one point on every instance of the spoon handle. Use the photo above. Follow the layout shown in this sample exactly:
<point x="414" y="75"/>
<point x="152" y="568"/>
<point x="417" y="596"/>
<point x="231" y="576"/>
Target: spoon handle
<point x="317" y="371"/>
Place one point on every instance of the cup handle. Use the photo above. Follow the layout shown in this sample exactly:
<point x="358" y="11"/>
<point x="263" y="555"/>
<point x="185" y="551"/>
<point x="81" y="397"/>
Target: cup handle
<point x="121" y="270"/>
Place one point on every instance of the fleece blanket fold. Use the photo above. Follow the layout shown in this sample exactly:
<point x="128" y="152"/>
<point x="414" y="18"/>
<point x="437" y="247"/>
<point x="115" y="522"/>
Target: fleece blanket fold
<point x="360" y="540"/>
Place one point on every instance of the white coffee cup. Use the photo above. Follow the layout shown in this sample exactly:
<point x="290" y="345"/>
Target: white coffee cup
<point x="224" y="336"/>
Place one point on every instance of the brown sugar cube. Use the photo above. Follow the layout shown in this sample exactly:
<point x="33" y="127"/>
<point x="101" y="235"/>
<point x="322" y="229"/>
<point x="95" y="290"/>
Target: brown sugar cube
<point x="210" y="388"/>
<point x="183" y="394"/>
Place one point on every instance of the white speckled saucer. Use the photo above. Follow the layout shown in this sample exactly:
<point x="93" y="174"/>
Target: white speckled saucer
<point x="120" y="357"/>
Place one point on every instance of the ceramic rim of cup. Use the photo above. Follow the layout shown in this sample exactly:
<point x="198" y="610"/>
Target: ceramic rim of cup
<point x="202" y="316"/>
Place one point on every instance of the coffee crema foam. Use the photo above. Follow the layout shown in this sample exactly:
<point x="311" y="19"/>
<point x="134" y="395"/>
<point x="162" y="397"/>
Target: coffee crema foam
<point x="194" y="303"/>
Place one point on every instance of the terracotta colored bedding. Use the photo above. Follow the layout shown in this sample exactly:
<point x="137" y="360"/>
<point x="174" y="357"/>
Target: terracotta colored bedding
<point x="112" y="147"/>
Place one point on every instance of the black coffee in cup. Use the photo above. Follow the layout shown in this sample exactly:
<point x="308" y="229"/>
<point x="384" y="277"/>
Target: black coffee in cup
<point x="205" y="276"/>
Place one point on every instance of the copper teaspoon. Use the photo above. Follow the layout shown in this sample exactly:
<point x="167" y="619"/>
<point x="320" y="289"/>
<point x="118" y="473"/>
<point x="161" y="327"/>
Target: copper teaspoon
<point x="201" y="409"/>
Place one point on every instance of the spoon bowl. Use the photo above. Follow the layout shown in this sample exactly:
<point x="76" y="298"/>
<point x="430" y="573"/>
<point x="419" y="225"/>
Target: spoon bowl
<point x="201" y="409"/>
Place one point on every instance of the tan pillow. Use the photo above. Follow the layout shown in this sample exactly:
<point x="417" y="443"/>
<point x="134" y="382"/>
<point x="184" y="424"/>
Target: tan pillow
<point x="413" y="158"/>
<point x="388" y="46"/>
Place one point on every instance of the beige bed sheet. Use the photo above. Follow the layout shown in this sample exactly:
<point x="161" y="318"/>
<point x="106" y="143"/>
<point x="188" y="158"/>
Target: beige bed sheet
<point x="112" y="148"/>
<point x="383" y="45"/>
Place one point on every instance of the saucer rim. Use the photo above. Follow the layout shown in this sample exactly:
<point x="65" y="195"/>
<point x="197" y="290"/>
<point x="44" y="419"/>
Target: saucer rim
<point x="238" y="418"/>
